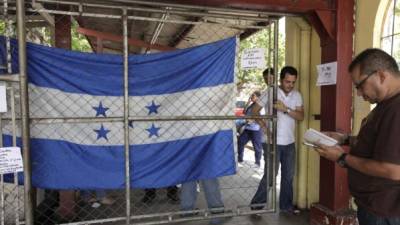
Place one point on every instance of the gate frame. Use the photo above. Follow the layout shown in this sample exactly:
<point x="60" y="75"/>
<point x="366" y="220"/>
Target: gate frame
<point x="25" y="120"/>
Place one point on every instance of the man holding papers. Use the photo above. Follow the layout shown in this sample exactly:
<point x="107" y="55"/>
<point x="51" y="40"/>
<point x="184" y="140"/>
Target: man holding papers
<point x="374" y="160"/>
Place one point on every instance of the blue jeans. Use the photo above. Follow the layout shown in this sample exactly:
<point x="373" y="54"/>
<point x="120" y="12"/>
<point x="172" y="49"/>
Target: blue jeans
<point x="367" y="218"/>
<point x="286" y="157"/>
<point x="261" y="195"/>
<point x="211" y="192"/>
<point x="256" y="137"/>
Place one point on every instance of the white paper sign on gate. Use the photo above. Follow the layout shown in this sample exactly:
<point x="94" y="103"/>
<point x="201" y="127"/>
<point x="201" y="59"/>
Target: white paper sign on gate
<point x="10" y="160"/>
<point x="253" y="58"/>
<point x="327" y="74"/>
<point x="3" y="98"/>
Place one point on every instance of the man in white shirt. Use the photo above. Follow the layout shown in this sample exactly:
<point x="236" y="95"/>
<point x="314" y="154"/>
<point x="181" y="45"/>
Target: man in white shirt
<point x="290" y="109"/>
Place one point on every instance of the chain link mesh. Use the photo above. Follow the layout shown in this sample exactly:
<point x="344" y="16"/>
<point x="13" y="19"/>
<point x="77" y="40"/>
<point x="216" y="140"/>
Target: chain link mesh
<point x="147" y="205"/>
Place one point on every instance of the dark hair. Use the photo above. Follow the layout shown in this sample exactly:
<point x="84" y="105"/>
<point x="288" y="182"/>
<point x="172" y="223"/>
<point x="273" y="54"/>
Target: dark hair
<point x="269" y="71"/>
<point x="373" y="59"/>
<point x="288" y="70"/>
<point x="257" y="93"/>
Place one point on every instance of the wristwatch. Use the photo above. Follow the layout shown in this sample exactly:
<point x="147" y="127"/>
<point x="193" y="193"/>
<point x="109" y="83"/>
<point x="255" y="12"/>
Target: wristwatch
<point x="287" y="111"/>
<point x="342" y="160"/>
<point x="346" y="141"/>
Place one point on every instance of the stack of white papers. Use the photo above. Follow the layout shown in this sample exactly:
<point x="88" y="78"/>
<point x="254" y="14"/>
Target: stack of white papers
<point x="315" y="137"/>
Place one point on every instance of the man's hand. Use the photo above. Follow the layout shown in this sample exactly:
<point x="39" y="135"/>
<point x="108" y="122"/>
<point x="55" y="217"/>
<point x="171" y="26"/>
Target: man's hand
<point x="248" y="101"/>
<point x="370" y="167"/>
<point x="280" y="106"/>
<point x="297" y="113"/>
<point x="331" y="153"/>
<point x="340" y="137"/>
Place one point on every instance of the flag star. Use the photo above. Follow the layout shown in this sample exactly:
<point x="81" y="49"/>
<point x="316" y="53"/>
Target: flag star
<point x="153" y="130"/>
<point x="153" y="108"/>
<point x="100" y="110"/>
<point x="102" y="133"/>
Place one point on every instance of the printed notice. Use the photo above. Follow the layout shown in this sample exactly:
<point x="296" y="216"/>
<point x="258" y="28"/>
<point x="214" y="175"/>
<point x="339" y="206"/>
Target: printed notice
<point x="327" y="74"/>
<point x="10" y="160"/>
<point x="3" y="98"/>
<point x="253" y="58"/>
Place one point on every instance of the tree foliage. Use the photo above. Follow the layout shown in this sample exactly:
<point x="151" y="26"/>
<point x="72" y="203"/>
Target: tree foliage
<point x="42" y="35"/>
<point x="79" y="42"/>
<point x="253" y="77"/>
<point x="2" y="27"/>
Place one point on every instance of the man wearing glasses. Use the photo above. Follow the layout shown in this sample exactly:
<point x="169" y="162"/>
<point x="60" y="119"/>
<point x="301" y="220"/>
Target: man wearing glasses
<point x="374" y="160"/>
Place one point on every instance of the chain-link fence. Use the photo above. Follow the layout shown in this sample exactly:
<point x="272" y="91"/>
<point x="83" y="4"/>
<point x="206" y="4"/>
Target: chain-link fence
<point x="11" y="193"/>
<point x="132" y="122"/>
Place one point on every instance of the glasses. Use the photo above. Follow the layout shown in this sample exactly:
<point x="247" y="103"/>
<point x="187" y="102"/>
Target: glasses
<point x="360" y="84"/>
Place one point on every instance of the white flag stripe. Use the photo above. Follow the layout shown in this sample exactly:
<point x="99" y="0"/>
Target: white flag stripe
<point x="172" y="130"/>
<point x="48" y="102"/>
<point x="85" y="134"/>
<point x="202" y="101"/>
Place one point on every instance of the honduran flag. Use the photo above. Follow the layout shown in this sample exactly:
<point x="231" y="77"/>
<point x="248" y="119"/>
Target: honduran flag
<point x="197" y="81"/>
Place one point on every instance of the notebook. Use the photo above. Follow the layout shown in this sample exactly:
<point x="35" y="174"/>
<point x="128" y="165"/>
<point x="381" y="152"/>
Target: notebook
<point x="315" y="137"/>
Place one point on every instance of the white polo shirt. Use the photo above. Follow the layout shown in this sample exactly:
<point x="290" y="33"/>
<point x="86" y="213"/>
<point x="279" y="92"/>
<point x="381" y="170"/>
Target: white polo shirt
<point x="286" y="124"/>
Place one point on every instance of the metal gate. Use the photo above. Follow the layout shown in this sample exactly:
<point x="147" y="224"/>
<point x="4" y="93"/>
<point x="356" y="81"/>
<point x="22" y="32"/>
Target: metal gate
<point x="180" y="26"/>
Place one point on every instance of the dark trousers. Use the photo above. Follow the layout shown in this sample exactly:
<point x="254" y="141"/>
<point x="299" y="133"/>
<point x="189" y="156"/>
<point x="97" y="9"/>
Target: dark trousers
<point x="285" y="156"/>
<point x="256" y="139"/>
<point x="261" y="195"/>
<point x="367" y="218"/>
<point x="171" y="191"/>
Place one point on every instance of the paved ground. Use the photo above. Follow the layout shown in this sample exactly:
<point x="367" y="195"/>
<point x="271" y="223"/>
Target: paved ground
<point x="270" y="219"/>
<point x="239" y="189"/>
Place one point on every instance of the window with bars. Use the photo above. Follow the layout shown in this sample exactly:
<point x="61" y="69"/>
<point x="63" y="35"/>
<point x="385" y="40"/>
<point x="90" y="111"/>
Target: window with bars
<point x="390" y="39"/>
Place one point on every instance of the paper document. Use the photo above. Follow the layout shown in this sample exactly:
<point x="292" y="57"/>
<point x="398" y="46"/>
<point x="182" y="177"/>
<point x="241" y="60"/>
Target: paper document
<point x="253" y="58"/>
<point x="10" y="160"/>
<point x="327" y="74"/>
<point x="3" y="98"/>
<point x="315" y="137"/>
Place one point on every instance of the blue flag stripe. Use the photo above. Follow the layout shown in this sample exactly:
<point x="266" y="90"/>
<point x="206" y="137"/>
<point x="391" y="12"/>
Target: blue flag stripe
<point x="65" y="165"/>
<point x="204" y="66"/>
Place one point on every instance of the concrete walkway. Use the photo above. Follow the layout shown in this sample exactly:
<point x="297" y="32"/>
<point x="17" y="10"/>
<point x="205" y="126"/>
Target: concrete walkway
<point x="270" y="219"/>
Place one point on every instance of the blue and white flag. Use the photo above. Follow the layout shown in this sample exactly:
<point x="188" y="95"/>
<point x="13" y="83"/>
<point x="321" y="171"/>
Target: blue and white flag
<point x="192" y="82"/>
